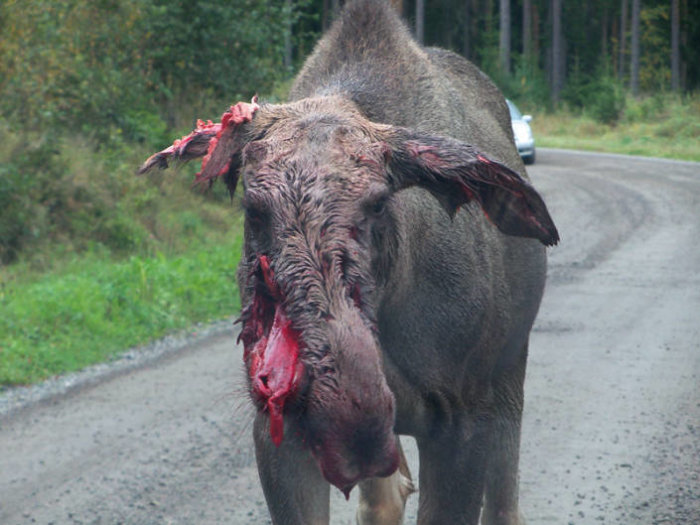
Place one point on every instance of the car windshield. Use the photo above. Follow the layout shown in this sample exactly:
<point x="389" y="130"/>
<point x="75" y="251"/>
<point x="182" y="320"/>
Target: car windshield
<point x="514" y="113"/>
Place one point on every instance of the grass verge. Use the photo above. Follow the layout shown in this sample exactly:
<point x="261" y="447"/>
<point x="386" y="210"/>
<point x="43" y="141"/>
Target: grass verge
<point x="95" y="307"/>
<point x="662" y="126"/>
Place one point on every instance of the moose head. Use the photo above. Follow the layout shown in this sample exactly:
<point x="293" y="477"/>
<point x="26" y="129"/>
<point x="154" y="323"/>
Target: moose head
<point x="319" y="182"/>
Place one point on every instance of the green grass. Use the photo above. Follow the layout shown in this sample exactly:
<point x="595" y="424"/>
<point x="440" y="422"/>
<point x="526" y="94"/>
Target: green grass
<point x="662" y="126"/>
<point x="95" y="307"/>
<point x="95" y="260"/>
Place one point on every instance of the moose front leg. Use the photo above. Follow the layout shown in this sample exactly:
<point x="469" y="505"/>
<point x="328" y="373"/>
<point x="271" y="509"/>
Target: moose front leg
<point x="501" y="501"/>
<point x="382" y="500"/>
<point x="452" y="465"/>
<point x="295" y="491"/>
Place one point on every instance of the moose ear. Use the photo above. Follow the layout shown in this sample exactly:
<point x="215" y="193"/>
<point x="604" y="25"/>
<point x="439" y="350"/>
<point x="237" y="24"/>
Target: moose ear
<point x="456" y="173"/>
<point x="218" y="143"/>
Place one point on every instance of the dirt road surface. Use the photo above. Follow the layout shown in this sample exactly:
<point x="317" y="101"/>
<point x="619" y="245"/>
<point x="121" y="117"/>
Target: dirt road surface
<point x="612" y="420"/>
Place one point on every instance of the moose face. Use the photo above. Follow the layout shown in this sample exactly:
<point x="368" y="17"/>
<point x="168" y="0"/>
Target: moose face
<point x="315" y="196"/>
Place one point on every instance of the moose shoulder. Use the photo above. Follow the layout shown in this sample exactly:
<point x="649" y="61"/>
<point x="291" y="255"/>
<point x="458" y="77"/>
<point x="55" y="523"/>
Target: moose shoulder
<point x="393" y="266"/>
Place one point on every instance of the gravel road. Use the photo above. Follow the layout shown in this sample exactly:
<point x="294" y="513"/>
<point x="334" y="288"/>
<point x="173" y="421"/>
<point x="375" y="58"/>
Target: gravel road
<point x="612" y="418"/>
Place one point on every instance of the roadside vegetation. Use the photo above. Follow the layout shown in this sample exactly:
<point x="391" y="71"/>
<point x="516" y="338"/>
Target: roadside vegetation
<point x="663" y="126"/>
<point x="96" y="306"/>
<point x="94" y="259"/>
<point x="97" y="260"/>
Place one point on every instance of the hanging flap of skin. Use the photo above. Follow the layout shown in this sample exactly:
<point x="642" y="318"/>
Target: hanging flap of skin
<point x="189" y="147"/>
<point x="275" y="369"/>
<point x="215" y="141"/>
<point x="456" y="173"/>
<point x="227" y="141"/>
<point x="279" y="371"/>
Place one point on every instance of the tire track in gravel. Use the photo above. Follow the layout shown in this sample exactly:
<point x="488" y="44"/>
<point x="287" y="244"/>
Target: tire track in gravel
<point x="612" y="391"/>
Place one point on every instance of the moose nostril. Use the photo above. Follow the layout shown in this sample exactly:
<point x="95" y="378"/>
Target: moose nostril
<point x="263" y="380"/>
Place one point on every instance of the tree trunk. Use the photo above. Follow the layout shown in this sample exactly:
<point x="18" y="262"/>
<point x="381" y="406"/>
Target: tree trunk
<point x="335" y="9"/>
<point x="487" y="7"/>
<point x="288" y="10"/>
<point x="634" y="60"/>
<point x="557" y="76"/>
<point x="527" y="30"/>
<point x="504" y="42"/>
<point x="466" y="44"/>
<point x="325" y="16"/>
<point x="675" y="47"/>
<point x="604" y="36"/>
<point x="398" y="5"/>
<point x="420" y="20"/>
<point x="623" y="41"/>
<point x="535" y="41"/>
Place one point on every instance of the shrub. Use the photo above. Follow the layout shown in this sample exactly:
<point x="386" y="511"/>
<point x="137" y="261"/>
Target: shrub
<point x="89" y="88"/>
<point x="645" y="108"/>
<point x="527" y="85"/>
<point x="30" y="188"/>
<point x="94" y="66"/>
<point x="601" y="96"/>
<point x="607" y="100"/>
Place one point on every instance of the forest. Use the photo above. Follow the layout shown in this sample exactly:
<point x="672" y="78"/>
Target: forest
<point x="89" y="88"/>
<point x="106" y="65"/>
<point x="551" y="51"/>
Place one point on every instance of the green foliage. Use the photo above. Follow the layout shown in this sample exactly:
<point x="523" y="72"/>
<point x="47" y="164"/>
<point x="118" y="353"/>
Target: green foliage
<point x="89" y="89"/>
<point x="600" y="95"/>
<point x="63" y="194"/>
<point x="608" y="100"/>
<point x="95" y="308"/>
<point x="45" y="198"/>
<point x="660" y="126"/>
<point x="106" y="68"/>
<point x="31" y="189"/>
<point x="215" y="48"/>
<point x="527" y="86"/>
<point x="70" y="63"/>
<point x="668" y="118"/>
<point x="531" y="84"/>
<point x="144" y="127"/>
<point x="645" y="109"/>
<point x="655" y="70"/>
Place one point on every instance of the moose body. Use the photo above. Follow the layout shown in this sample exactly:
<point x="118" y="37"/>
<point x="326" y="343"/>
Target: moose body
<point x="392" y="269"/>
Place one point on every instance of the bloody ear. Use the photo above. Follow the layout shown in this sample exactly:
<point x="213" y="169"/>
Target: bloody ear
<point x="218" y="143"/>
<point x="456" y="173"/>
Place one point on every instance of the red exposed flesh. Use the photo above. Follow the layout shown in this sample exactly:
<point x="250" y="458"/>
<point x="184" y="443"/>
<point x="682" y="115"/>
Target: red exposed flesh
<point x="206" y="130"/>
<point x="275" y="369"/>
<point x="272" y="353"/>
<point x="269" y="277"/>
<point x="427" y="154"/>
<point x="236" y="115"/>
<point x="213" y="135"/>
<point x="356" y="296"/>
<point x="468" y="193"/>
<point x="203" y="128"/>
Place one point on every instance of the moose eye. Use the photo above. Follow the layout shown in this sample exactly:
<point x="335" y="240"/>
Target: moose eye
<point x="255" y="216"/>
<point x="257" y="222"/>
<point x="377" y="205"/>
<point x="256" y="209"/>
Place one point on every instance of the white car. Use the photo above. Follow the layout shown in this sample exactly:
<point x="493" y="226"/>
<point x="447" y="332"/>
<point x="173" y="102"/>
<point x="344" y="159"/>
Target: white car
<point x="522" y="133"/>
